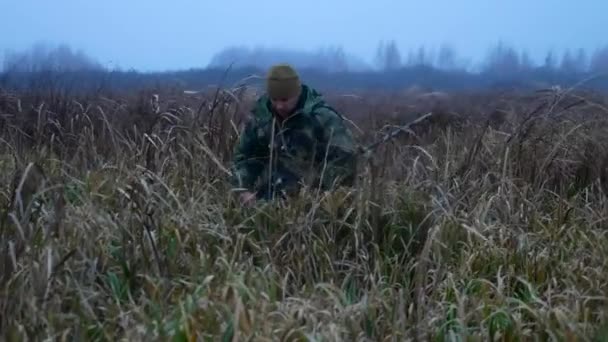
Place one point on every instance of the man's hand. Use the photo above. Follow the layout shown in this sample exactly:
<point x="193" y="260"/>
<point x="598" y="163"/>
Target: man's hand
<point x="247" y="198"/>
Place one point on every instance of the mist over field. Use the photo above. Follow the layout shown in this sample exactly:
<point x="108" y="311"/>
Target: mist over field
<point x="432" y="44"/>
<point x="479" y="209"/>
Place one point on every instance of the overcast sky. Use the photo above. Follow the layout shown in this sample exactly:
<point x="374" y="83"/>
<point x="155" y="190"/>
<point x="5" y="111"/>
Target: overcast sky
<point x="155" y="35"/>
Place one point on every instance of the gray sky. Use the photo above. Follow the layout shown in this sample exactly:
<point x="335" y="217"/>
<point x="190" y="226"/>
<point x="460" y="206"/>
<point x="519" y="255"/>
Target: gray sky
<point x="156" y="35"/>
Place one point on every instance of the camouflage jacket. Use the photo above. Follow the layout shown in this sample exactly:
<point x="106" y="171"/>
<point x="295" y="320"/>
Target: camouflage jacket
<point x="313" y="141"/>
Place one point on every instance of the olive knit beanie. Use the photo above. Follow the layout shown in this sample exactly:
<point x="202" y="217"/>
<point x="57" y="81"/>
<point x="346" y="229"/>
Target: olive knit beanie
<point x="282" y="82"/>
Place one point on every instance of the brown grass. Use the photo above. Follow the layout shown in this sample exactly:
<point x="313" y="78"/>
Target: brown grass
<point x="489" y="224"/>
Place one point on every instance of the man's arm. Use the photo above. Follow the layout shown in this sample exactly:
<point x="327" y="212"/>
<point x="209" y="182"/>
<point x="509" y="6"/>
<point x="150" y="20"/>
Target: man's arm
<point x="248" y="161"/>
<point x="339" y="149"/>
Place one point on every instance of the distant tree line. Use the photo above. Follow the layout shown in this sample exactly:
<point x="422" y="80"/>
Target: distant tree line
<point x="329" y="68"/>
<point x="329" y="59"/>
<point x="43" y="57"/>
<point x="500" y="59"/>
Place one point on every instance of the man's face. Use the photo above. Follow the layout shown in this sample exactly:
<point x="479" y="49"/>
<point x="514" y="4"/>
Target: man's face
<point x="284" y="106"/>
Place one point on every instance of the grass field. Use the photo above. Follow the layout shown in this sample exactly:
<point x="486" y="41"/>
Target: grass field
<point x="489" y="224"/>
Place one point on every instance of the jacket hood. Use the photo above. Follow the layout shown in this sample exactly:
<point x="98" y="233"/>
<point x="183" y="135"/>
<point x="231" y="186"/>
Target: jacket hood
<point x="309" y="98"/>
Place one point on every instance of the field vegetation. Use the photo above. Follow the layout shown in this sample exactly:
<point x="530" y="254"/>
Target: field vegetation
<point x="488" y="221"/>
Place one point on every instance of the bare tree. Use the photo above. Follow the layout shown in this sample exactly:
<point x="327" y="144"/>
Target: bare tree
<point x="568" y="63"/>
<point x="525" y="62"/>
<point x="446" y="58"/>
<point x="388" y="56"/>
<point x="421" y="57"/>
<point x="332" y="59"/>
<point x="599" y="61"/>
<point x="550" y="60"/>
<point x="502" y="60"/>
<point x="581" y="60"/>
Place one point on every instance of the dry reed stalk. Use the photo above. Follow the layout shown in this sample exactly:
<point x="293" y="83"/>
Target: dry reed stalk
<point x="512" y="246"/>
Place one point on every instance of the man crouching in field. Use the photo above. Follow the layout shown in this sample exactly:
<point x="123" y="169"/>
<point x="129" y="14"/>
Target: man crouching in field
<point x="309" y="140"/>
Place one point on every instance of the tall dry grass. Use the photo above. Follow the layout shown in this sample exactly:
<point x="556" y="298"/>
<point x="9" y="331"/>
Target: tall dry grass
<point x="488" y="224"/>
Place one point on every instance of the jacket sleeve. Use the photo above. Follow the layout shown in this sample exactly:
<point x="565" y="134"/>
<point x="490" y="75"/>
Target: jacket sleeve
<point x="248" y="160"/>
<point x="339" y="150"/>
